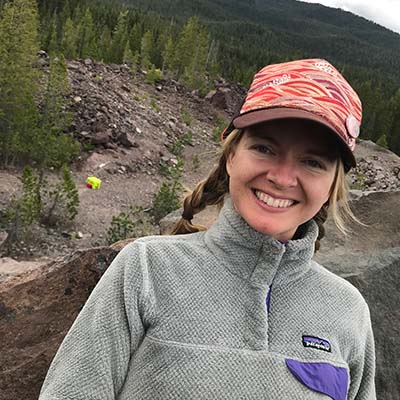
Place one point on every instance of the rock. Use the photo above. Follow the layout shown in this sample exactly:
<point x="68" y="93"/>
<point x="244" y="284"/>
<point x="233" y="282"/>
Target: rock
<point x="169" y="221"/>
<point x="99" y="124"/>
<point x="11" y="269"/>
<point x="77" y="99"/>
<point x="210" y="95"/>
<point x="95" y="161"/>
<point x="100" y="138"/>
<point x="370" y="259"/>
<point x="111" y="146"/>
<point x="124" y="139"/>
<point x="36" y="310"/>
<point x="376" y="168"/>
<point x="126" y="88"/>
<point x="42" y="54"/>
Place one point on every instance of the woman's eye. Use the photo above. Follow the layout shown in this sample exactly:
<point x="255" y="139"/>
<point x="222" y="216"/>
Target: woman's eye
<point x="262" y="148"/>
<point x="314" y="163"/>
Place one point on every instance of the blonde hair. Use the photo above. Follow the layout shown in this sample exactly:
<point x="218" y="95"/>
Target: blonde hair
<point x="212" y="191"/>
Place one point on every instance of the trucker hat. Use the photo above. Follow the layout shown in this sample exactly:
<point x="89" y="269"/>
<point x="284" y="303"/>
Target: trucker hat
<point x="311" y="89"/>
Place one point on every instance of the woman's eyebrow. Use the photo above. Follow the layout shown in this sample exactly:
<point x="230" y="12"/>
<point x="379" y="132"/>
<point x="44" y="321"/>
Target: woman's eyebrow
<point x="256" y="135"/>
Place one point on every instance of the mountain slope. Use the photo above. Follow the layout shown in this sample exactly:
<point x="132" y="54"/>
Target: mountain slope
<point x="277" y="27"/>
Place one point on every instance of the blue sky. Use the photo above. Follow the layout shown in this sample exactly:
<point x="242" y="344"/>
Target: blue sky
<point x="383" y="12"/>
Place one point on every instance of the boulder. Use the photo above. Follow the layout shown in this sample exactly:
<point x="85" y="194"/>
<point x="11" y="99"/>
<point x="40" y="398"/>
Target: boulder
<point x="11" y="269"/>
<point x="36" y="310"/>
<point x="101" y="137"/>
<point x="369" y="258"/>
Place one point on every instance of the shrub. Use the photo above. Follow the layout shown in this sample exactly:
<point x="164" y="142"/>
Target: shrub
<point x="382" y="141"/>
<point x="153" y="75"/>
<point x="359" y="181"/>
<point x="41" y="202"/>
<point x="168" y="197"/>
<point x="195" y="162"/>
<point x="178" y="146"/>
<point x="186" y="117"/>
<point x="131" y="223"/>
<point x="220" y="125"/>
<point x="22" y="212"/>
<point x="61" y="201"/>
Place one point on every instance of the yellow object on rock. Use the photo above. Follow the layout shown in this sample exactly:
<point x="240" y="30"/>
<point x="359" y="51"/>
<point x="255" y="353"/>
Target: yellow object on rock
<point x="93" y="183"/>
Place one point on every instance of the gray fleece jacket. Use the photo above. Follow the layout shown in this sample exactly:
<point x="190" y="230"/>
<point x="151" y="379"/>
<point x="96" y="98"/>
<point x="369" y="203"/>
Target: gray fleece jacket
<point x="224" y="314"/>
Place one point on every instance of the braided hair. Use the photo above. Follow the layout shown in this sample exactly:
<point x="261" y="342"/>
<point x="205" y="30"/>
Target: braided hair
<point x="210" y="191"/>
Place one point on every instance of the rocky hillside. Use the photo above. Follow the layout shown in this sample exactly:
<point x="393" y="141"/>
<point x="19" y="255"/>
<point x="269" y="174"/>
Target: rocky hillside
<point x="128" y="128"/>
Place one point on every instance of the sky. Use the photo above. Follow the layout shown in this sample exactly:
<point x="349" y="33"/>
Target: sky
<point x="383" y="12"/>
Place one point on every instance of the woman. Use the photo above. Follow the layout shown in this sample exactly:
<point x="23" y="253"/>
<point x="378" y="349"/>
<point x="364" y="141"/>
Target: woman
<point x="239" y="311"/>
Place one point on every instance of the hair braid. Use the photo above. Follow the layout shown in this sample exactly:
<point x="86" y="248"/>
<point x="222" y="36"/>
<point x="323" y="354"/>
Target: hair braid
<point x="210" y="191"/>
<point x="320" y="219"/>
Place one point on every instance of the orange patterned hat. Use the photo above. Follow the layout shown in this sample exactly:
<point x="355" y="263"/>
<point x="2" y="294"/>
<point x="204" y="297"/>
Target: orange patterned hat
<point x="308" y="89"/>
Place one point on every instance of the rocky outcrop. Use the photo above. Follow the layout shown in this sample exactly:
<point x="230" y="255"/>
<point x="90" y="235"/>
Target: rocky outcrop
<point x="115" y="109"/>
<point x="369" y="258"/>
<point x="36" y="310"/>
<point x="378" y="169"/>
<point x="227" y="97"/>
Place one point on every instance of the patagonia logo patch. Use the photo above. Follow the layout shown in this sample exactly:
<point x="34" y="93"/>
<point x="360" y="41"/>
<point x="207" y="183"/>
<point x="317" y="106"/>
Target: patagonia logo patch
<point x="316" y="343"/>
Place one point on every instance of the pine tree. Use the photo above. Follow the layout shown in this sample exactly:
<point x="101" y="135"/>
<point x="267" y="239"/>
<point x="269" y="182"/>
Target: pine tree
<point x="394" y="130"/>
<point x="87" y="46"/>
<point x="69" y="40"/>
<point x="194" y="53"/>
<point x="195" y="71"/>
<point x="193" y="50"/>
<point x="105" y="45"/>
<point x="69" y="193"/>
<point x="119" y="39"/>
<point x="135" y="38"/>
<point x="168" y="56"/>
<point x="66" y="11"/>
<point x="128" y="56"/>
<point x="54" y="147"/>
<point x="145" y="51"/>
<point x="52" y="45"/>
<point x="187" y="45"/>
<point x="18" y="49"/>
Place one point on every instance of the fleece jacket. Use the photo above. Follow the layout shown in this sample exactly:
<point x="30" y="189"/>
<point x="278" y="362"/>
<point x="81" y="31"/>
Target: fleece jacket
<point x="228" y="313"/>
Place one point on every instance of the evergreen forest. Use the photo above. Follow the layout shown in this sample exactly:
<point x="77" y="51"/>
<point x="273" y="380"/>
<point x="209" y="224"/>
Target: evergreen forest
<point x="193" y="42"/>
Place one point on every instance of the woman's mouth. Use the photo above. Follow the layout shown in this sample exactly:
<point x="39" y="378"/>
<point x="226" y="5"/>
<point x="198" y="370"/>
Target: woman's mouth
<point x="272" y="201"/>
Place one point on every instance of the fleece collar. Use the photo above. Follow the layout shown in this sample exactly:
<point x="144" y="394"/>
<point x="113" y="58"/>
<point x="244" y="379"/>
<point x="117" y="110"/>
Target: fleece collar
<point x="256" y="257"/>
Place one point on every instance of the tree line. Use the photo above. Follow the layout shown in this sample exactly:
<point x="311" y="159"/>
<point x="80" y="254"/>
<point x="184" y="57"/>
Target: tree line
<point x="113" y="34"/>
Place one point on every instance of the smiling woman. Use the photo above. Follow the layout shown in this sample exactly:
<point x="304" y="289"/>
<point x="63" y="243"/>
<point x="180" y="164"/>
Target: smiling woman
<point x="281" y="174"/>
<point x="239" y="311"/>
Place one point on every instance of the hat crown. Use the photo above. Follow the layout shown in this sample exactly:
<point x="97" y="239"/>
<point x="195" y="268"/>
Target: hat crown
<point x="308" y="89"/>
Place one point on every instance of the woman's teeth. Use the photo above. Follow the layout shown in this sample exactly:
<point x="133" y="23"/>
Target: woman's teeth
<point x="272" y="202"/>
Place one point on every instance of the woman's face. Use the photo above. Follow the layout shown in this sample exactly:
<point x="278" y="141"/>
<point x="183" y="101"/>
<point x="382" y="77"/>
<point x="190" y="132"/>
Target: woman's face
<point x="281" y="173"/>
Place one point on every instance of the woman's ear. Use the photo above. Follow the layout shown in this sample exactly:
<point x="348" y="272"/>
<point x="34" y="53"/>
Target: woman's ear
<point x="229" y="162"/>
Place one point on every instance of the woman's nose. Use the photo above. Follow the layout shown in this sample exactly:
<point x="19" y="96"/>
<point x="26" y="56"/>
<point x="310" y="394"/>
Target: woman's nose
<point x="283" y="174"/>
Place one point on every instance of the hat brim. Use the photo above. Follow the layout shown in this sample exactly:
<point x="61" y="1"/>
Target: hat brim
<point x="269" y="114"/>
